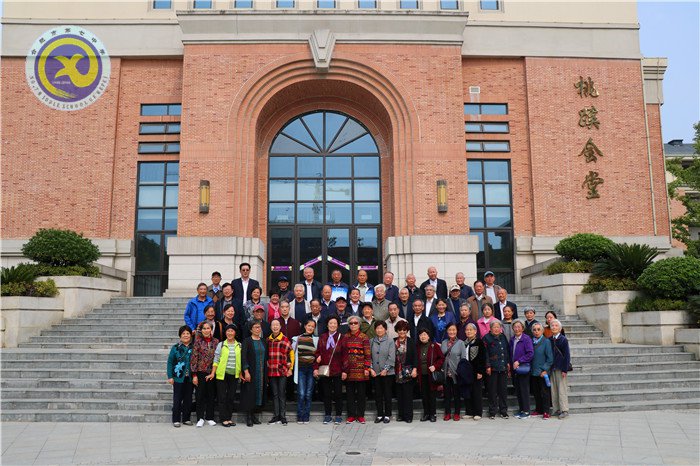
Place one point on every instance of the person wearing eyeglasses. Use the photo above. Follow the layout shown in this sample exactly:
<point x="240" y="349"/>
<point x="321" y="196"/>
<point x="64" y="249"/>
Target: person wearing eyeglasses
<point x="357" y="361"/>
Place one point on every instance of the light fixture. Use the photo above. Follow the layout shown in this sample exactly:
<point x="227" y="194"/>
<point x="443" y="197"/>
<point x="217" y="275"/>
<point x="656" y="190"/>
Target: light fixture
<point x="442" y="195"/>
<point x="204" y="196"/>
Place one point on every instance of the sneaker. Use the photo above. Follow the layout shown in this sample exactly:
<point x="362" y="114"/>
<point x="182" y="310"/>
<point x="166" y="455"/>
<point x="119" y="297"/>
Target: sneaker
<point x="478" y="418"/>
<point x="535" y="413"/>
<point x="274" y="420"/>
<point x="350" y="420"/>
<point x="564" y="414"/>
<point x="361" y="420"/>
<point x="446" y="417"/>
<point x="306" y="422"/>
<point x="491" y="416"/>
<point x="556" y="413"/>
<point x="283" y="421"/>
<point x="187" y="423"/>
<point x="523" y="415"/>
<point x="176" y="424"/>
<point x="504" y="416"/>
<point x="211" y="422"/>
<point x="338" y="420"/>
<point x="300" y="422"/>
<point x="456" y="417"/>
<point x="546" y="416"/>
<point x="200" y="423"/>
<point x="386" y="420"/>
<point x="433" y="418"/>
<point x="326" y="419"/>
<point x="378" y="420"/>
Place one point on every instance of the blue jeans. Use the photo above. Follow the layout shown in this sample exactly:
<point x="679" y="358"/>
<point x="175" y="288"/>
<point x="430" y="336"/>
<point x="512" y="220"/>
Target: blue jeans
<point x="305" y="391"/>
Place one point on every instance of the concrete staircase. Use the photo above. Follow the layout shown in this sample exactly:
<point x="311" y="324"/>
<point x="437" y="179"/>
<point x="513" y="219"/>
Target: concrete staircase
<point x="110" y="366"/>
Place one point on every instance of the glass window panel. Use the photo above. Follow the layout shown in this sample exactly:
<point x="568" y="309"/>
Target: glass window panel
<point x="285" y="3"/>
<point x="494" y="109"/>
<point x="314" y="121"/>
<point x="281" y="247"/>
<point x="151" y="196"/>
<point x="366" y="190"/>
<point x="297" y="130"/>
<point x="340" y="190"/>
<point x="282" y="167"/>
<point x="170" y="219"/>
<point x="496" y="146"/>
<point x="472" y="127"/>
<point x="495" y="127"/>
<point x="408" y="4"/>
<point x="496" y="170"/>
<point x="366" y="167"/>
<point x="496" y="193"/>
<point x="480" y="256"/>
<point x="152" y="128"/>
<point x="500" y="249"/>
<point x="172" y="148"/>
<point x="448" y="4"/>
<point x="202" y="3"/>
<point x="173" y="128"/>
<point x="498" y="217"/>
<point x="310" y="190"/>
<point x="153" y="110"/>
<point x="339" y="249"/>
<point x="471" y="109"/>
<point x="474" y="170"/>
<point x="338" y="212"/>
<point x="310" y="213"/>
<point x="364" y="145"/>
<point x="151" y="172"/>
<point x="173" y="172"/>
<point x="243" y="4"/>
<point x="476" y="217"/>
<point x="473" y="146"/>
<point x="151" y="147"/>
<point x="368" y="251"/>
<point x="350" y="131"/>
<point x="367" y="212"/>
<point x="310" y="246"/>
<point x="281" y="213"/>
<point x="148" y="285"/>
<point x="326" y="3"/>
<point x="367" y="4"/>
<point x="334" y="121"/>
<point x="171" y="196"/>
<point x="310" y="167"/>
<point x="281" y="190"/>
<point x="489" y="4"/>
<point x="338" y="167"/>
<point x="148" y="253"/>
<point x="149" y="219"/>
<point x="284" y="145"/>
<point x="476" y="195"/>
<point x="175" y="109"/>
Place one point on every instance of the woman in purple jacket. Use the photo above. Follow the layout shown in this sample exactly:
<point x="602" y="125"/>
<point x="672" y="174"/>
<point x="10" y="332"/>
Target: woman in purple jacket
<point x="521" y="352"/>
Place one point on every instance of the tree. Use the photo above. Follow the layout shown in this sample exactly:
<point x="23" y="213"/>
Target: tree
<point x="685" y="188"/>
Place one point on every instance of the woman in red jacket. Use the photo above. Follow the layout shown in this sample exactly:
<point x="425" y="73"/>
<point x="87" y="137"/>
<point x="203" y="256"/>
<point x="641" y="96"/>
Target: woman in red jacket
<point x="429" y="359"/>
<point x="328" y="353"/>
<point x="357" y="360"/>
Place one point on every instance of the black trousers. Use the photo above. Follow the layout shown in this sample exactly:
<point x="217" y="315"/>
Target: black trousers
<point x="279" y="401"/>
<point x="332" y="394"/>
<point x="453" y="398"/>
<point x="475" y="405"/>
<point x="382" y="394"/>
<point x="521" y="383"/>
<point x="542" y="394"/>
<point x="404" y="396"/>
<point x="428" y="396"/>
<point x="226" y="393"/>
<point x="182" y="400"/>
<point x="497" y="393"/>
<point x="205" y="396"/>
<point x="356" y="398"/>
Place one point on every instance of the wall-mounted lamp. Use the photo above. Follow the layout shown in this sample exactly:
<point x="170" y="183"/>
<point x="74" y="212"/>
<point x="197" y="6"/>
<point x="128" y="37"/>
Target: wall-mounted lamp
<point x="204" y="196"/>
<point x="442" y="195"/>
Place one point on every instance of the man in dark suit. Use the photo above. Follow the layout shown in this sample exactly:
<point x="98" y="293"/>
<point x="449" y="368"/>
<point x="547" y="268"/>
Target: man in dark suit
<point x="419" y="320"/>
<point x="312" y="288"/>
<point x="392" y="291"/>
<point x="439" y="284"/>
<point x="327" y="303"/>
<point x="317" y="316"/>
<point x="503" y="302"/>
<point x="413" y="291"/>
<point x="243" y="287"/>
<point x="404" y="302"/>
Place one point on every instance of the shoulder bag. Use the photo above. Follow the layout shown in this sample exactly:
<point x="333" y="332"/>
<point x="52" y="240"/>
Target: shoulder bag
<point x="325" y="370"/>
<point x="438" y="376"/>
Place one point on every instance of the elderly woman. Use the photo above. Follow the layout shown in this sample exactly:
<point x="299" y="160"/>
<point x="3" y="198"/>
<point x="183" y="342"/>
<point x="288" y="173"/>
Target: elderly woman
<point x="357" y="360"/>
<point x="227" y="370"/>
<point x="454" y="351"/>
<point x="382" y="371"/>
<point x="508" y="322"/>
<point x="255" y="300"/>
<point x="202" y="359"/>
<point x="476" y="355"/>
<point x="367" y="322"/>
<point x="486" y="319"/>
<point x="406" y="372"/>
<point x="328" y="354"/>
<point x="253" y="366"/>
<point x="560" y="367"/>
<point x="540" y="367"/>
<point x="497" y="369"/>
<point x="217" y="328"/>
<point x="441" y="319"/>
<point x="280" y="360"/>
<point x="178" y="371"/>
<point x="521" y="355"/>
<point x="429" y="359"/>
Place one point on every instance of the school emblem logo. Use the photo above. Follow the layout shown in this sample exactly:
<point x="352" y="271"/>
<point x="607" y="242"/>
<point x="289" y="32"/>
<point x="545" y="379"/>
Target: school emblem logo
<point x="68" y="68"/>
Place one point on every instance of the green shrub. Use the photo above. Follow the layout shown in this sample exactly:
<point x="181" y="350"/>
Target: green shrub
<point x="694" y="307"/>
<point x="21" y="273"/>
<point x="44" y="288"/>
<point x="625" y="261"/>
<point x="596" y="284"/>
<point x="45" y="270"/>
<point x="583" y="247"/>
<point x="563" y="266"/>
<point x="15" y="289"/>
<point x="647" y="304"/>
<point x="674" y="277"/>
<point x="60" y="247"/>
<point x="38" y="289"/>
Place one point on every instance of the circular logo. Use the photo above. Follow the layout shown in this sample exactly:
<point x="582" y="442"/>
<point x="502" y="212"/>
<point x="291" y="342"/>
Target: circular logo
<point x="68" y="68"/>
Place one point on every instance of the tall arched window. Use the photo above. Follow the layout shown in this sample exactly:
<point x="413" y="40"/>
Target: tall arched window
<point x="324" y="199"/>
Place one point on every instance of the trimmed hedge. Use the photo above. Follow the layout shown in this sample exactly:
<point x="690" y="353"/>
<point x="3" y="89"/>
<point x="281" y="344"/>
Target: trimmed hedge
<point x="42" y="289"/>
<point x="596" y="284"/>
<point x="584" y="247"/>
<point x="647" y="304"/>
<point x="562" y="266"/>
<point x="674" y="278"/>
<point x="60" y="248"/>
<point x="45" y="270"/>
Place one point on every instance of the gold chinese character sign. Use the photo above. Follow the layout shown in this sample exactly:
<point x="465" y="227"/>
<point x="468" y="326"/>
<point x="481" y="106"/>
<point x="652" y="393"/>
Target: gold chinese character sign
<point x="586" y="87"/>
<point x="588" y="117"/>
<point x="591" y="182"/>
<point x="590" y="152"/>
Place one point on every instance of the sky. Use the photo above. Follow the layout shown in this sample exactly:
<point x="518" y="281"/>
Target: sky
<point x="672" y="29"/>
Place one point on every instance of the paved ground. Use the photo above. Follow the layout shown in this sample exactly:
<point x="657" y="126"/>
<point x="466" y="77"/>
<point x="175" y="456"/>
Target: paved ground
<point x="653" y="437"/>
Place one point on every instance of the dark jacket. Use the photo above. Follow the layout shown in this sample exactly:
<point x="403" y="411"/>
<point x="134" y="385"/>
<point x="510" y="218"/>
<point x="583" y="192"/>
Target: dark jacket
<point x="392" y="293"/>
<point x="178" y="366"/>
<point x="476" y="355"/>
<point x="434" y="358"/>
<point x="455" y="310"/>
<point x="237" y="285"/>
<point x="248" y="389"/>
<point x="522" y="351"/>
<point x="266" y="331"/>
<point x="498" y="312"/>
<point x="336" y="363"/>
<point x="465" y="292"/>
<point x="291" y="328"/>
<point x="528" y="326"/>
<point x="238" y="308"/>
<point x="316" y="288"/>
<point x="440" y="291"/>
<point x="423" y="322"/>
<point x="497" y="352"/>
<point x="462" y="326"/>
<point x="406" y="310"/>
<point x="562" y="356"/>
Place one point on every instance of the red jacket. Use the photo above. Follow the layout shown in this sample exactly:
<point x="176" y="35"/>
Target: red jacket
<point x="435" y="355"/>
<point x="337" y="362"/>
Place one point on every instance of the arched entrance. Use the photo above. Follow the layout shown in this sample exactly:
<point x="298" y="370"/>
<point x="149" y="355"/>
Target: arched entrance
<point x="324" y="199"/>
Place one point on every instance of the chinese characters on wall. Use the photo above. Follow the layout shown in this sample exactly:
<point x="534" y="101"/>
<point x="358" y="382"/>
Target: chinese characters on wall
<point x="588" y="118"/>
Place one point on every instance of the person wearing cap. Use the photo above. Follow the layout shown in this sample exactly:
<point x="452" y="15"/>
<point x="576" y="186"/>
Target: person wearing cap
<point x="477" y="301"/>
<point x="465" y="291"/>
<point x="343" y="313"/>
<point x="258" y="317"/>
<point x="227" y="370"/>
<point x="490" y="288"/>
<point x="280" y="360"/>
<point x="283" y="288"/>
<point x="439" y="284"/>
<point x="502" y="303"/>
<point x="455" y="301"/>
<point x="214" y="290"/>
<point x="338" y="286"/>
<point x="392" y="291"/>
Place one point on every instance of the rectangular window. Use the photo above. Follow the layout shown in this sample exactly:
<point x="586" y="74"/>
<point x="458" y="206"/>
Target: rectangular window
<point x="243" y="4"/>
<point x="486" y="109"/>
<point x="159" y="128"/>
<point x="490" y="5"/>
<point x="325" y="4"/>
<point x="285" y="3"/>
<point x="159" y="147"/>
<point x="488" y="146"/>
<point x="162" y="4"/>
<point x="408" y="4"/>
<point x="368" y="4"/>
<point x="161" y="109"/>
<point x="486" y="128"/>
<point x="202" y="4"/>
<point x="449" y="4"/>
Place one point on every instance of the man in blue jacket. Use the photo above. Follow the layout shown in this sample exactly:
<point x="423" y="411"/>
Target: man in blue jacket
<point x="194" y="312"/>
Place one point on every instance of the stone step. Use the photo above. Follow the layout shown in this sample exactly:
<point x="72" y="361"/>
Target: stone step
<point x="602" y="359"/>
<point x="113" y="364"/>
<point x="687" y="373"/>
<point x="638" y="367"/>
<point x="102" y="341"/>
<point x="578" y="342"/>
<point x="639" y="384"/>
<point x="74" y="383"/>
<point x="623" y="349"/>
<point x="87" y="404"/>
<point x="150" y="299"/>
<point x="584" y="334"/>
<point x="32" y="354"/>
<point x="98" y="374"/>
<point x="164" y="394"/>
<point x="39" y="343"/>
<point x="632" y="395"/>
<point x="667" y="404"/>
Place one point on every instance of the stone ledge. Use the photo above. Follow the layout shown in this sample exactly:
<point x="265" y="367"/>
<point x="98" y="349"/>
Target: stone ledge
<point x="604" y="310"/>
<point x="653" y="328"/>
<point x="560" y="290"/>
<point x="26" y="316"/>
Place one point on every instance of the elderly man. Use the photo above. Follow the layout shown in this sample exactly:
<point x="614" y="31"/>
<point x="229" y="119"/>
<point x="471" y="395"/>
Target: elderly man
<point x="465" y="291"/>
<point x="338" y="286"/>
<point x="355" y="303"/>
<point x="393" y="320"/>
<point x="490" y="288"/>
<point x="327" y="303"/>
<point x="455" y="300"/>
<point x="502" y="303"/>
<point x="194" y="312"/>
<point x="404" y="302"/>
<point x="366" y="290"/>
<point x="475" y="302"/>
<point x="430" y="300"/>
<point x="291" y="327"/>
<point x="343" y="313"/>
<point x="419" y="320"/>
<point x="301" y="305"/>
<point x="392" y="291"/>
<point x="312" y="287"/>
<point x="439" y="284"/>
<point x="283" y="288"/>
<point x="317" y="316"/>
<point x="380" y="304"/>
<point x="413" y="290"/>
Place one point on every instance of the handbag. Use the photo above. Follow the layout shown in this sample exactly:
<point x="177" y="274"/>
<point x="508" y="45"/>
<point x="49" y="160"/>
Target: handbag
<point x="523" y="369"/>
<point x="325" y="370"/>
<point x="438" y="376"/>
<point x="405" y="374"/>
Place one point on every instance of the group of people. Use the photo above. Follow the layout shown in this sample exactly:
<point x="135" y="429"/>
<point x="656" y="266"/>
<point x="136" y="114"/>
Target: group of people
<point x="415" y="341"/>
